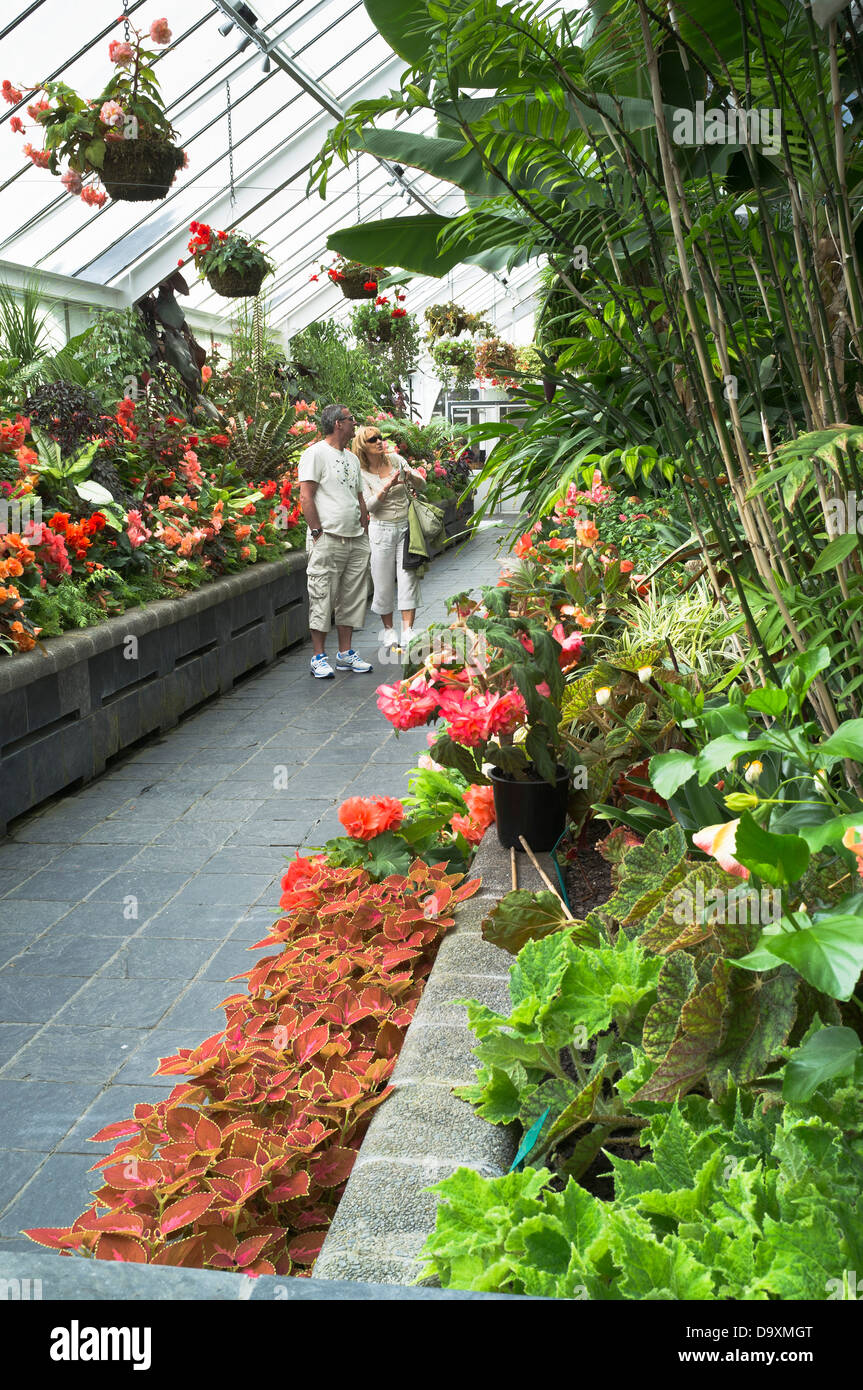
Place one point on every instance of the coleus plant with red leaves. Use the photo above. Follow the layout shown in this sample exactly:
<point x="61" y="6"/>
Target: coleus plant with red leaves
<point x="243" y="1165"/>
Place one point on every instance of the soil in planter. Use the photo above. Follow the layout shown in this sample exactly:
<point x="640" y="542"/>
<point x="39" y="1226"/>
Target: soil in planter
<point x="587" y="875"/>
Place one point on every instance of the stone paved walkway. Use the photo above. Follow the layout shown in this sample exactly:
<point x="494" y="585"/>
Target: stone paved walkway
<point x="126" y="906"/>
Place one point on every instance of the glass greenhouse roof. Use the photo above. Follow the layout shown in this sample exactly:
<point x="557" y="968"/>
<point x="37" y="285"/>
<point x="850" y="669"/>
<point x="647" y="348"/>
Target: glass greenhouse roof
<point x="279" y="120"/>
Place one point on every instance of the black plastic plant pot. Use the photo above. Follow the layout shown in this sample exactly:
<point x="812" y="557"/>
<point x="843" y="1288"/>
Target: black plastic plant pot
<point x="534" y="809"/>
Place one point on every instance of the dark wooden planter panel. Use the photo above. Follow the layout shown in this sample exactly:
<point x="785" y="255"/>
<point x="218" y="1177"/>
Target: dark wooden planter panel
<point x="65" y="711"/>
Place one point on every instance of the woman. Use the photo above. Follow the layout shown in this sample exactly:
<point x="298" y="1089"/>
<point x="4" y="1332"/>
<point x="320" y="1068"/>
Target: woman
<point x="387" y="497"/>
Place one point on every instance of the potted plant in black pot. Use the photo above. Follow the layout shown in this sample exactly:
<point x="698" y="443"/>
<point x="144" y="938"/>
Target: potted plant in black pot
<point x="122" y="137"/>
<point x="494" y="678"/>
<point x="232" y="264"/>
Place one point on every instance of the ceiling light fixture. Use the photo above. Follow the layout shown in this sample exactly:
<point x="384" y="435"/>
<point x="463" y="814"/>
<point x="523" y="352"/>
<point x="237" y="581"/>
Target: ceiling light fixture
<point x="246" y="13"/>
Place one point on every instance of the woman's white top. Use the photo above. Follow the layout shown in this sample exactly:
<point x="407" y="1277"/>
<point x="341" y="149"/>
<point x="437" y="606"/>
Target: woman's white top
<point x="393" y="507"/>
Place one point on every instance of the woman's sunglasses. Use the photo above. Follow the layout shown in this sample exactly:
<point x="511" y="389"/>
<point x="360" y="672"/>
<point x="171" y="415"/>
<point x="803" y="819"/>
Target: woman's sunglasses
<point x="375" y="439"/>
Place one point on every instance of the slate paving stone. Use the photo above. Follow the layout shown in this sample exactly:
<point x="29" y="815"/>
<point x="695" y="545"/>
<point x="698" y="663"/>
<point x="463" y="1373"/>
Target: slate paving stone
<point x="37" y="1115"/>
<point x="195" y="920"/>
<point x="64" y="955"/>
<point x="251" y="861"/>
<point x="140" y="830"/>
<point x="33" y="999"/>
<point x="199" y="1009"/>
<point x="96" y="919"/>
<point x="219" y="808"/>
<point x="14" y="855"/>
<point x="74" y="1054"/>
<point x="23" y="915"/>
<point x="155" y="753"/>
<point x="216" y="889"/>
<point x="148" y="807"/>
<point x="283" y="835"/>
<point x="195" y="833"/>
<point x="12" y="1037"/>
<point x="57" y="1194"/>
<point x="147" y="957"/>
<point x="60" y="885"/>
<point x="148" y="886"/>
<point x="112" y="1003"/>
<point x="233" y="959"/>
<point x="15" y="878"/>
<point x="256" y="790"/>
<point x="17" y="1166"/>
<point x="162" y="860"/>
<point x="162" y="1042"/>
<point x="90" y="857"/>
<point x="53" y="831"/>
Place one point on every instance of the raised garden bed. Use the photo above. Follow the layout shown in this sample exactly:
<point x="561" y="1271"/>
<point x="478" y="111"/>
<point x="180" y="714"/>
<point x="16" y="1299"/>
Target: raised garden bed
<point x="70" y="706"/>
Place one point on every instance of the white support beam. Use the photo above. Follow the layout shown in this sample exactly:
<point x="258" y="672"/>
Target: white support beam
<point x="62" y="289"/>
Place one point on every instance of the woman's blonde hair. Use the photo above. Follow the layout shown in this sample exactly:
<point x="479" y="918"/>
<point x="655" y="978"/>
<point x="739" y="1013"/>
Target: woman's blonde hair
<point x="359" y="444"/>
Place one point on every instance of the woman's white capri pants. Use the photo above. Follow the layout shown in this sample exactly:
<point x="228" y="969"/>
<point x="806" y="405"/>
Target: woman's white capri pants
<point x="391" y="579"/>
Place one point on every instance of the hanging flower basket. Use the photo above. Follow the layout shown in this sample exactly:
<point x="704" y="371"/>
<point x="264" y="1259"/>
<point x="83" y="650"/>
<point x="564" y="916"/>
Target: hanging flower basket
<point x="140" y="171"/>
<point x="237" y="284"/>
<point x="122" y="137"/>
<point x="355" y="280"/>
<point x="231" y="263"/>
<point x="361" y="283"/>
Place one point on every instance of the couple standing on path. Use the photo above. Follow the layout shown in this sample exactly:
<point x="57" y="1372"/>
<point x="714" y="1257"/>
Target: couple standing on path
<point x="355" y="502"/>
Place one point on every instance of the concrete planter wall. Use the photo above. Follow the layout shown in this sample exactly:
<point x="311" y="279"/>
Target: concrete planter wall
<point x="65" y="711"/>
<point x="422" y="1132"/>
<point x="455" y="520"/>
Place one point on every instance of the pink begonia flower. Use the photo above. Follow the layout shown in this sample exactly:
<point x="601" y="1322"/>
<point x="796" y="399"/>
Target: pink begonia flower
<point x="120" y="53"/>
<point x="427" y="761"/>
<point x="112" y="113"/>
<point x="474" y="719"/>
<point x="206" y="373"/>
<point x="571" y="647"/>
<point x="850" y="841"/>
<point x="407" y="705"/>
<point x="719" y="841"/>
<point x="544" y="689"/>
<point x="159" y="31"/>
<point x="136" y="530"/>
<point x="41" y="158"/>
<point x="72" y="182"/>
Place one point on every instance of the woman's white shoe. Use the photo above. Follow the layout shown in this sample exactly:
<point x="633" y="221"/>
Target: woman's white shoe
<point x="389" y="638"/>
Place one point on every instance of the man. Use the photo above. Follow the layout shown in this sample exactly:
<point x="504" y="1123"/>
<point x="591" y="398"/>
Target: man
<point x="337" y="542"/>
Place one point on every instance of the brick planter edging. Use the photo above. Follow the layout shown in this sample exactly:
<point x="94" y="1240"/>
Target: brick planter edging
<point x="422" y="1132"/>
<point x="68" y="707"/>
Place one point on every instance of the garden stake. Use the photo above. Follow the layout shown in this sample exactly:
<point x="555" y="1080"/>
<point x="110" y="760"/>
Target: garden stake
<point x="544" y="876"/>
<point x="514" y="867"/>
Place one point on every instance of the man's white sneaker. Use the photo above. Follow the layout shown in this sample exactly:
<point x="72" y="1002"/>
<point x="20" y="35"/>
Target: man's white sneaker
<point x="321" y="668"/>
<point x="407" y="637"/>
<point x="352" y="661"/>
<point x="389" y="638"/>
